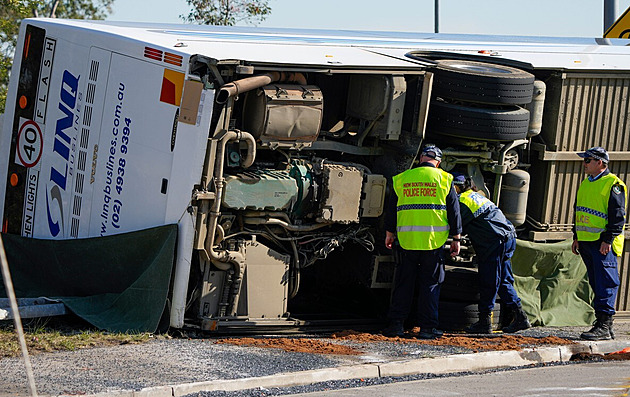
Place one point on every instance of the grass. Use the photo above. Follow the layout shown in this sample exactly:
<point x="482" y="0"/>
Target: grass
<point x="44" y="336"/>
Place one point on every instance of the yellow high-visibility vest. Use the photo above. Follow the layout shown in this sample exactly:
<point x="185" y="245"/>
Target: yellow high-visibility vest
<point x="421" y="220"/>
<point x="591" y="212"/>
<point x="477" y="203"/>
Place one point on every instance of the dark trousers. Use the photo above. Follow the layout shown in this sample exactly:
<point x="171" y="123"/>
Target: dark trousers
<point x="496" y="277"/>
<point x="424" y="271"/>
<point x="603" y="275"/>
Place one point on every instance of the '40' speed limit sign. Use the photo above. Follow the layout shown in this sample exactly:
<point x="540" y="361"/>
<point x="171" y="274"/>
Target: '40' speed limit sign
<point x="29" y="143"/>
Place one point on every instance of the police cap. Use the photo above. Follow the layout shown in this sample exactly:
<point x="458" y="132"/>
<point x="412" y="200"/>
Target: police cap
<point x="598" y="153"/>
<point x="432" y="151"/>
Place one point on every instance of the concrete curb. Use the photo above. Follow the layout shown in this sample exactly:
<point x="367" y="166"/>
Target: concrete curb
<point x="282" y="380"/>
<point x="438" y="365"/>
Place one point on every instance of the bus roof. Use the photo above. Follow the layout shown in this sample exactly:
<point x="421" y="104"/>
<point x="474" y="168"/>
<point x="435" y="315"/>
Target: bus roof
<point x="344" y="48"/>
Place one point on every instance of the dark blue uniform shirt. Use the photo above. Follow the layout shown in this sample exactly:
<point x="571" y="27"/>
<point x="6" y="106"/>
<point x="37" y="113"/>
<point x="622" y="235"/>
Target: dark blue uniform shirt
<point x="487" y="230"/>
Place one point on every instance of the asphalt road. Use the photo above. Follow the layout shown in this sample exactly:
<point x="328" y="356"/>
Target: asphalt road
<point x="608" y="378"/>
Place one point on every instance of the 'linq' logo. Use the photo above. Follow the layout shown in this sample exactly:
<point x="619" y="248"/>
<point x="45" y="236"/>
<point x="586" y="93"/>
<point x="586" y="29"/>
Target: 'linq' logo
<point x="69" y="88"/>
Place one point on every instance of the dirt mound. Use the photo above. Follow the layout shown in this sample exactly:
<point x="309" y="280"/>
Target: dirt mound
<point x="620" y="355"/>
<point x="474" y="343"/>
<point x="303" y="345"/>
<point x="617" y="356"/>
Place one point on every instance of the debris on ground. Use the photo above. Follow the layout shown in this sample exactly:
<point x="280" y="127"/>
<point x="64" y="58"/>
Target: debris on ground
<point x="618" y="355"/>
<point x="584" y="356"/>
<point x="473" y="343"/>
<point x="301" y="345"/>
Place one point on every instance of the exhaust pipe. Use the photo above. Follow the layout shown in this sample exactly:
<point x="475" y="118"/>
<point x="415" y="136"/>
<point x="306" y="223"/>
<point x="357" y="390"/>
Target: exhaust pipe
<point x="234" y="88"/>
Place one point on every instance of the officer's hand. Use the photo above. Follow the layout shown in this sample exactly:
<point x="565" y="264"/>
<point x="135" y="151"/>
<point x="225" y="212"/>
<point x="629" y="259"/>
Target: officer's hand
<point x="604" y="249"/>
<point x="454" y="248"/>
<point x="389" y="240"/>
<point x="575" y="247"/>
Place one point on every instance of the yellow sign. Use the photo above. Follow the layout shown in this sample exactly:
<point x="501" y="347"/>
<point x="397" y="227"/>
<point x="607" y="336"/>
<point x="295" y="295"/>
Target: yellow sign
<point x="621" y="28"/>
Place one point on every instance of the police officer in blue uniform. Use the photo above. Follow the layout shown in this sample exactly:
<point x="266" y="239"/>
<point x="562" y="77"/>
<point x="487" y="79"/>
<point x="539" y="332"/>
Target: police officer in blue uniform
<point x="600" y="215"/>
<point x="494" y="239"/>
<point x="421" y="213"/>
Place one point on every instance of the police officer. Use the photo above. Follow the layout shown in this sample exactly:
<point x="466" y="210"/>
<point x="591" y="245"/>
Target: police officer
<point x="600" y="215"/>
<point x="494" y="239"/>
<point x="422" y="214"/>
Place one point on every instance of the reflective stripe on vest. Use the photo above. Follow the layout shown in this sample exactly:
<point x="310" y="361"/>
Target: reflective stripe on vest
<point x="591" y="211"/>
<point x="476" y="202"/>
<point x="421" y="219"/>
<point x="423" y="228"/>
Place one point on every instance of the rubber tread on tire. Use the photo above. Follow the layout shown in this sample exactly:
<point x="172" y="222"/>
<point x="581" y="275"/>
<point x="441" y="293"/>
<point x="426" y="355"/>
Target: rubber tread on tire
<point x="460" y="284"/>
<point x="478" y="123"/>
<point x="456" y="316"/>
<point x="480" y="82"/>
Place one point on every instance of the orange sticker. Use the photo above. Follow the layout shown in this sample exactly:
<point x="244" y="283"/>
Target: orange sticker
<point x="172" y="86"/>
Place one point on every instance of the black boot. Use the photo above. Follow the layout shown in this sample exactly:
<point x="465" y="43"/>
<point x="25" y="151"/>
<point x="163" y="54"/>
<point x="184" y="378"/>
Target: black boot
<point x="507" y="316"/>
<point x="395" y="328"/>
<point x="483" y="326"/>
<point x="430" y="333"/>
<point x="519" y="323"/>
<point x="602" y="328"/>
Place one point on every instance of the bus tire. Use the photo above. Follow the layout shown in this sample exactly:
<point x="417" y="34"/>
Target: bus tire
<point x="456" y="316"/>
<point x="481" y="82"/>
<point x="506" y="124"/>
<point x="460" y="284"/>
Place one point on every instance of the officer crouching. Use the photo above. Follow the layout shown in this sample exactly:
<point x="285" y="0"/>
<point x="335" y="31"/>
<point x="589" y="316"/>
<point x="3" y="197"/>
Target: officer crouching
<point x="494" y="239"/>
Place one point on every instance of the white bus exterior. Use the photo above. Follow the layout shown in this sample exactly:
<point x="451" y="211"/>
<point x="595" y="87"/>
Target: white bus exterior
<point x="115" y="127"/>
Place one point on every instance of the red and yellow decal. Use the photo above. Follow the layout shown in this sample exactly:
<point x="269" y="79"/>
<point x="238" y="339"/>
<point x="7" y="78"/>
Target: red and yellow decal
<point x="172" y="87"/>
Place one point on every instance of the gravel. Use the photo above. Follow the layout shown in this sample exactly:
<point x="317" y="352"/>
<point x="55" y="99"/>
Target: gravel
<point x="176" y="361"/>
<point x="158" y="363"/>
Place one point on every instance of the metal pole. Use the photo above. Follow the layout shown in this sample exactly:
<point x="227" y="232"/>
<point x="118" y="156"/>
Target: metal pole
<point x="436" y="10"/>
<point x="610" y="13"/>
<point x="8" y="285"/>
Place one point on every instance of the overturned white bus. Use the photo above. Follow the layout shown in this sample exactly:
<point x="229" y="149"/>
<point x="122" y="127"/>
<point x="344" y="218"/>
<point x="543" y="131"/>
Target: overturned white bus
<point x="271" y="149"/>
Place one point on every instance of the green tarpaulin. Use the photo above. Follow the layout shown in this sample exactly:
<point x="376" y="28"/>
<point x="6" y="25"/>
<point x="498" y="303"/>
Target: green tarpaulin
<point x="117" y="283"/>
<point x="552" y="284"/>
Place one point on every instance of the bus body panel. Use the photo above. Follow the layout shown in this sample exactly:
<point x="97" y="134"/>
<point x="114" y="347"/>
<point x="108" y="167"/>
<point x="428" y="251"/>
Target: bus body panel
<point x="106" y="118"/>
<point x="272" y="148"/>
